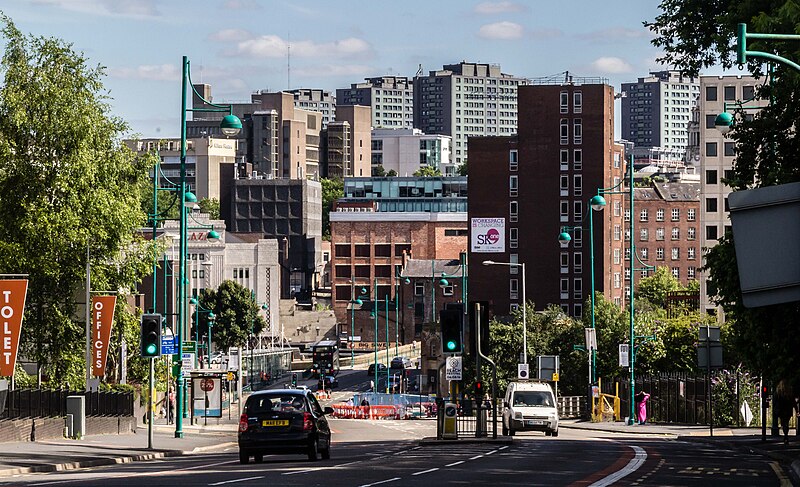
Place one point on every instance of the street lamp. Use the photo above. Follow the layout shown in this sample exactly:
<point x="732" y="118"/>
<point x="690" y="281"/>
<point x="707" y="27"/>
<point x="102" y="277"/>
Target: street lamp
<point x="353" y="302"/>
<point x="596" y="203"/>
<point x="230" y="125"/>
<point x="524" y="306"/>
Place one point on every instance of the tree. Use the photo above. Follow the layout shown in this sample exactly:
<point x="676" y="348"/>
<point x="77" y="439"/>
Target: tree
<point x="332" y="190"/>
<point x="392" y="173"/>
<point x="462" y="169"/>
<point x="427" y="172"/>
<point x="68" y="186"/>
<point x="210" y="206"/>
<point x="655" y="288"/>
<point x="378" y="171"/>
<point x="696" y="34"/>
<point x="236" y="314"/>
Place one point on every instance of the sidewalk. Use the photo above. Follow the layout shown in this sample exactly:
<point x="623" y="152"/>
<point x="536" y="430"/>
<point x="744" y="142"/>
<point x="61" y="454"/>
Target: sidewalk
<point x="748" y="439"/>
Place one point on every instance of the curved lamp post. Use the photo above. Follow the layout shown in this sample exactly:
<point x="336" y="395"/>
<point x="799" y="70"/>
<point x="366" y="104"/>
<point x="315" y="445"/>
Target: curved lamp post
<point x="230" y="125"/>
<point x="200" y="309"/>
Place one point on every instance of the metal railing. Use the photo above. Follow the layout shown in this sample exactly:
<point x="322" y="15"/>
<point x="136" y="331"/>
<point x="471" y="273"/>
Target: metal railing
<point x="37" y="403"/>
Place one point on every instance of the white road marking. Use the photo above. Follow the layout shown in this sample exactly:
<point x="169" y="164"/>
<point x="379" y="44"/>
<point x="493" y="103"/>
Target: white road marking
<point x="381" y="482"/>
<point x="784" y="480"/>
<point x="503" y="447"/>
<point x="476" y="457"/>
<point x="493" y="451"/>
<point x="454" y="463"/>
<point x="638" y="459"/>
<point x="426" y="471"/>
<point x="236" y="480"/>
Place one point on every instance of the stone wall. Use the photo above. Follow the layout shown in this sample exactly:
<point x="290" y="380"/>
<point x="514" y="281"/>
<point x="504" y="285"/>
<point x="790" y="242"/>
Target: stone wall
<point x="37" y="429"/>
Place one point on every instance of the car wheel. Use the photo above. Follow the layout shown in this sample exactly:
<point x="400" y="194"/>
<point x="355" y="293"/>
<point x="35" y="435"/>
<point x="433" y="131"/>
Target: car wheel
<point x="326" y="453"/>
<point x="258" y="457"/>
<point x="244" y="457"/>
<point x="312" y="451"/>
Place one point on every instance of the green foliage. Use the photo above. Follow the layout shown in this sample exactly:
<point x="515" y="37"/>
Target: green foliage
<point x="392" y="173"/>
<point x="332" y="190"/>
<point x="210" y="206"/>
<point x="236" y="314"/>
<point x="67" y="184"/>
<point x="655" y="287"/>
<point x="462" y="169"/>
<point x="378" y="171"/>
<point x="427" y="172"/>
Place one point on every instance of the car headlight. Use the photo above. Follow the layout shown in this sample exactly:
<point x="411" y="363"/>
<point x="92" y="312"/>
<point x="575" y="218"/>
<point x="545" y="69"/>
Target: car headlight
<point x="518" y="415"/>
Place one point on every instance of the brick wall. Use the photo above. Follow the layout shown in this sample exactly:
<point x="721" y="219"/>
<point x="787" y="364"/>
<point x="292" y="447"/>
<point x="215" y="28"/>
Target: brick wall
<point x="37" y="429"/>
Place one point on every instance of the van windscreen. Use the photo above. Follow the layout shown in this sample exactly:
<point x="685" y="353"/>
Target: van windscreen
<point x="533" y="398"/>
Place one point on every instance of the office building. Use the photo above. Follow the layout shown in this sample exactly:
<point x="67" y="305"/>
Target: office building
<point x="391" y="99"/>
<point x="316" y="100"/>
<point x="406" y="151"/>
<point x="347" y="143"/>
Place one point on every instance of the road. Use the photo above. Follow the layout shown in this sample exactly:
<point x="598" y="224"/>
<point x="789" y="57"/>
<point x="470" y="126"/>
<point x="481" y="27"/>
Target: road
<point x="371" y="453"/>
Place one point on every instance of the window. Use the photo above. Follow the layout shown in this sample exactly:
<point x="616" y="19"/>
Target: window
<point x="514" y="259"/>
<point x="577" y="131"/>
<point x="628" y="234"/>
<point x="711" y="93"/>
<point x="690" y="272"/>
<point x="627" y="215"/>
<point x="676" y="271"/>
<point x="513" y="185"/>
<point x="513" y="211"/>
<point x="660" y="233"/>
<point x="730" y="148"/>
<point x="617" y="208"/>
<point x="577" y="158"/>
<point x="616" y="232"/>
<point x="643" y="234"/>
<point x="577" y="238"/>
<point x="616" y="256"/>
<point x="676" y="253"/>
<point x="644" y="253"/>
<point x="447" y="290"/>
<point x="577" y="288"/>
<point x="748" y="92"/>
<point x="711" y="149"/>
<point x="577" y="210"/>
<point x="564" y="211"/>
<point x="627" y="253"/>
<point x="513" y="160"/>
<point x="513" y="287"/>
<point x="676" y="214"/>
<point x="617" y="282"/>
<point x="577" y="102"/>
<point x="564" y="159"/>
<point x="711" y="176"/>
<point x="643" y="215"/>
<point x="564" y="131"/>
<point x="513" y="237"/>
<point x="419" y="289"/>
<point x="729" y="92"/>
<point x="627" y="274"/>
<point x="690" y="233"/>
<point x="710" y="119"/>
<point x="711" y="205"/>
<point x="578" y="310"/>
<point x="690" y="214"/>
<point x="577" y="183"/>
<point x="660" y="215"/>
<point x="564" y="288"/>
<point x="564" y="262"/>
<point x="711" y="232"/>
<point x="564" y="102"/>
<point x="577" y="260"/>
<point x="660" y="253"/>
<point x="690" y="253"/>
<point x="676" y="233"/>
<point x="564" y="185"/>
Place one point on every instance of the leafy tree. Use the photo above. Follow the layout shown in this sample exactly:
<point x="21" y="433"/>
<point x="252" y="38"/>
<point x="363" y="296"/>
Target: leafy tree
<point x="462" y="169"/>
<point x="427" y="172"/>
<point x="378" y="171"/>
<point x="655" y="288"/>
<point x="696" y="34"/>
<point x="210" y="206"/>
<point x="392" y="173"/>
<point x="332" y="190"/>
<point x="67" y="186"/>
<point x="236" y="314"/>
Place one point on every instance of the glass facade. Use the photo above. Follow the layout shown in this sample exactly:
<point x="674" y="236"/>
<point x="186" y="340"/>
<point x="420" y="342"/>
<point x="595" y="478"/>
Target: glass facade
<point x="403" y="194"/>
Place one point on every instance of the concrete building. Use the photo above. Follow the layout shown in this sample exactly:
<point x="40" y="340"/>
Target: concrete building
<point x="656" y="112"/>
<point x="516" y="181"/>
<point x="347" y="143"/>
<point x="209" y="161"/>
<point x="466" y="100"/>
<point x="316" y="100"/>
<point x="405" y="151"/>
<point x="391" y="99"/>
<point x="406" y="194"/>
<point x="717" y="156"/>
<point x="667" y="230"/>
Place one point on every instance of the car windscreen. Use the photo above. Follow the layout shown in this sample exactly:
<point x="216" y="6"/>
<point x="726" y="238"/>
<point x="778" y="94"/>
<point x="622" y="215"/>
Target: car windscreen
<point x="533" y="398"/>
<point x="267" y="403"/>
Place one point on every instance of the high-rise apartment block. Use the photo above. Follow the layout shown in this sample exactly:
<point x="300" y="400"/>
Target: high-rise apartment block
<point x="466" y="100"/>
<point x="656" y="111"/>
<point x="347" y="143"/>
<point x="316" y="100"/>
<point x="390" y="97"/>
<point x="538" y="182"/>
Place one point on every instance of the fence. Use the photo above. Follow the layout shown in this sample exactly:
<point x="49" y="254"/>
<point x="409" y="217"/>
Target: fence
<point x="37" y="403"/>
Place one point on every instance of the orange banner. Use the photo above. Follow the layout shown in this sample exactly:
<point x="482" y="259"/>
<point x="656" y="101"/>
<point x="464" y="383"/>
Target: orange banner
<point x="102" y="319"/>
<point x="12" y="307"/>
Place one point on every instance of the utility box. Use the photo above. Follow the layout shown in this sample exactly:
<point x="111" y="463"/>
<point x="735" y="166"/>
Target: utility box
<point x="76" y="406"/>
<point x="449" y="431"/>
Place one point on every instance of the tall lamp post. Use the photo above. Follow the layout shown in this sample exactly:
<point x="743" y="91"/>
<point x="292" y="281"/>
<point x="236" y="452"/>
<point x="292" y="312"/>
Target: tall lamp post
<point x="200" y="309"/>
<point x="354" y="300"/>
<point x="596" y="203"/>
<point x="230" y="125"/>
<point x="524" y="305"/>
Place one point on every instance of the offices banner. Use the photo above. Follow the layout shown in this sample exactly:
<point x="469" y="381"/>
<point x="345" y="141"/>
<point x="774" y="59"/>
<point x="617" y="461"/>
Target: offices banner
<point x="102" y="320"/>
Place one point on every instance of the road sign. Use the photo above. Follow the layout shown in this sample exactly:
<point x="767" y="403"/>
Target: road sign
<point x="547" y="365"/>
<point x="453" y="368"/>
<point x="591" y="339"/>
<point x="624" y="360"/>
<point x="555" y="377"/>
<point x="168" y="345"/>
<point x="187" y="363"/>
<point x="189" y="347"/>
<point x="522" y="371"/>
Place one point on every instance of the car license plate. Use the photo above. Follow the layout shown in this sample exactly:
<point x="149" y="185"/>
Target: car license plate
<point x="275" y="422"/>
<point x="533" y="422"/>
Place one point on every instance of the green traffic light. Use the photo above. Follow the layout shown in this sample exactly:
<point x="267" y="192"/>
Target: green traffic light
<point x="151" y="349"/>
<point x="451" y="345"/>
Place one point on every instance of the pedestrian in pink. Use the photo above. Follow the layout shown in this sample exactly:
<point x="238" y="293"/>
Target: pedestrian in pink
<point x="641" y="406"/>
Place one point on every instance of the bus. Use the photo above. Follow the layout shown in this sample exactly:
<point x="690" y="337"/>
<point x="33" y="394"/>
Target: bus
<point x="324" y="358"/>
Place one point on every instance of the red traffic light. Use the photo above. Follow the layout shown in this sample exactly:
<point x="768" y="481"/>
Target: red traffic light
<point x="479" y="387"/>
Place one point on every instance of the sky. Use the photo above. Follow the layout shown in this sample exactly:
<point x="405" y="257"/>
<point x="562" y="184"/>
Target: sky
<point x="240" y="46"/>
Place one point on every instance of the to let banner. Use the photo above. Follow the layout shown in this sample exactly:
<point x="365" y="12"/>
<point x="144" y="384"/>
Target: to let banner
<point x="102" y="319"/>
<point x="12" y="306"/>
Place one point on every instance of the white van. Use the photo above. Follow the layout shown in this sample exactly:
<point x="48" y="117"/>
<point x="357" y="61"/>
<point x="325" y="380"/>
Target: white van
<point x="530" y="406"/>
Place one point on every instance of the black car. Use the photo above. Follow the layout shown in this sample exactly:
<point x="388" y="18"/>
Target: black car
<point x="371" y="369"/>
<point x="283" y="421"/>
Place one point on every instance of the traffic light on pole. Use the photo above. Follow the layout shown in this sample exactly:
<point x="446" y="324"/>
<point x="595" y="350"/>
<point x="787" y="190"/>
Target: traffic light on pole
<point x="479" y="391"/>
<point x="150" y="339"/>
<point x="450" y="320"/>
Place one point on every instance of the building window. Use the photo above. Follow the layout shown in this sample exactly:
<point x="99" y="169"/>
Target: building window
<point x="690" y="214"/>
<point x="564" y="185"/>
<point x="564" y="102"/>
<point x="565" y="262"/>
<point x="627" y="274"/>
<point x="711" y="149"/>
<point x="564" y="288"/>
<point x="447" y="290"/>
<point x="513" y="237"/>
<point x="660" y="253"/>
<point x="578" y="310"/>
<point x="577" y="131"/>
<point x="577" y="210"/>
<point x="643" y="215"/>
<point x="643" y="234"/>
<point x="711" y="205"/>
<point x="711" y="232"/>
<point x="676" y="253"/>
<point x="748" y="92"/>
<point x="628" y="234"/>
<point x="513" y="287"/>
<point x="729" y="92"/>
<point x="690" y="233"/>
<point x="729" y="148"/>
<point x="577" y="260"/>
<point x="577" y="288"/>
<point x="690" y="253"/>
<point x="676" y="214"/>
<point x="564" y="131"/>
<point x="660" y="215"/>
<point x="577" y="181"/>
<point x="577" y="102"/>
<point x="711" y="93"/>
<point x="627" y="253"/>
<point x="514" y="259"/>
<point x="419" y="289"/>
<point x="513" y="211"/>
<point x="577" y="160"/>
<point x="617" y="282"/>
<point x="644" y="253"/>
<point x="513" y="160"/>
<point x="617" y="208"/>
<point x="564" y="211"/>
<point x="616" y="256"/>
<point x="577" y="238"/>
<point x="616" y="232"/>
<point x="660" y="233"/>
<point x="676" y="233"/>
<point x="690" y="272"/>
<point x="564" y="159"/>
<point x="711" y="176"/>
<point x="513" y="185"/>
<point x="676" y="271"/>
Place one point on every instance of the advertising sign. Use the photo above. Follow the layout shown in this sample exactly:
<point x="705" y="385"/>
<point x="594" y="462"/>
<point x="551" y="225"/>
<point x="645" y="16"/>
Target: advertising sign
<point x="12" y="304"/>
<point x="488" y="235"/>
<point x="102" y="320"/>
<point x="624" y="358"/>
<point x="207" y="396"/>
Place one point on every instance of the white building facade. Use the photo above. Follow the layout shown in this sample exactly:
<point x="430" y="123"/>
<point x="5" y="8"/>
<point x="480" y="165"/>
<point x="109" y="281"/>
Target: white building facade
<point x="405" y="151"/>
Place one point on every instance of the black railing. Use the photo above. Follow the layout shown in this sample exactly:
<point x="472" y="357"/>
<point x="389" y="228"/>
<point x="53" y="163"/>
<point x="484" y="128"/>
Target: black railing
<point x="39" y="403"/>
<point x="674" y="398"/>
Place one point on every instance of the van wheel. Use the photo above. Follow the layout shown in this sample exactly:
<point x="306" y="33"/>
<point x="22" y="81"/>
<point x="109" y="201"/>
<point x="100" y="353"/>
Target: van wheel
<point x="548" y="433"/>
<point x="510" y="432"/>
<point x="554" y="433"/>
<point x="244" y="457"/>
<point x="505" y="430"/>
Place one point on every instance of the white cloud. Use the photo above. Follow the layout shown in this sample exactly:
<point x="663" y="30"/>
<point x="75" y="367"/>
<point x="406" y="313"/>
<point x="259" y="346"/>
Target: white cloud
<point x="611" y="65"/>
<point x="128" y="8"/>
<point x="230" y="35"/>
<point x="490" y="8"/>
<point x="158" y="72"/>
<point x="501" y="30"/>
<point x="618" y="34"/>
<point x="272" y="46"/>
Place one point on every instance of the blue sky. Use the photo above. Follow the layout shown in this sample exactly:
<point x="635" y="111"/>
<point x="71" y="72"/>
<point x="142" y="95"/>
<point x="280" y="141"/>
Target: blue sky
<point x="240" y="46"/>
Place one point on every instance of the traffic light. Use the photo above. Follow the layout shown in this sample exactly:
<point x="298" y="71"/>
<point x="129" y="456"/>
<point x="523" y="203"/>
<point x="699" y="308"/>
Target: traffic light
<point x="150" y="340"/>
<point x="294" y="379"/>
<point x="484" y="338"/>
<point x="451" y="331"/>
<point x="765" y="396"/>
<point x="479" y="391"/>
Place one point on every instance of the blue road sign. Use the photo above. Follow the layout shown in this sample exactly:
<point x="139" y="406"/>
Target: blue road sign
<point x="168" y="346"/>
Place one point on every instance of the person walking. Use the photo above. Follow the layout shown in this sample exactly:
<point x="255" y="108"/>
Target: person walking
<point x="784" y="406"/>
<point x="641" y="407"/>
